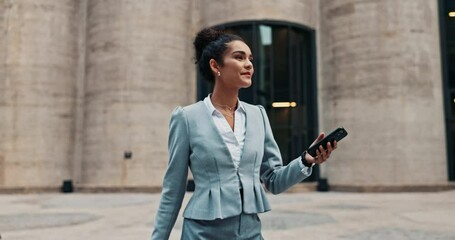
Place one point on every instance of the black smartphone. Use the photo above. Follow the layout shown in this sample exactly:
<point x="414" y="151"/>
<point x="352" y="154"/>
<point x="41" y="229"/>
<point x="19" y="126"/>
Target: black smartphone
<point x="336" y="135"/>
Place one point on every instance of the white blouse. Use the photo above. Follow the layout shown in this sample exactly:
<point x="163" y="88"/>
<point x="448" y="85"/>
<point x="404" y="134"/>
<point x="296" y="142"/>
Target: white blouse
<point x="236" y="139"/>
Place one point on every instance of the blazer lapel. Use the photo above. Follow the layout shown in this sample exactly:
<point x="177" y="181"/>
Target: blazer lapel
<point x="249" y="134"/>
<point x="215" y="134"/>
<point x="218" y="142"/>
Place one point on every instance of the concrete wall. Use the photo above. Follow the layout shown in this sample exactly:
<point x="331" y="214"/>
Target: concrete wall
<point x="38" y="60"/>
<point x="138" y="69"/>
<point x="81" y="82"/>
<point x="381" y="79"/>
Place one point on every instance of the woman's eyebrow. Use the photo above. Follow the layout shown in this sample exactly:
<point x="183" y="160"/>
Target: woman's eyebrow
<point x="241" y="52"/>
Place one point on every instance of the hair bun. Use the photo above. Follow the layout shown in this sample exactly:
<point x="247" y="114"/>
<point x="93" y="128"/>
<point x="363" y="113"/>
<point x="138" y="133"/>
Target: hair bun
<point x="204" y="38"/>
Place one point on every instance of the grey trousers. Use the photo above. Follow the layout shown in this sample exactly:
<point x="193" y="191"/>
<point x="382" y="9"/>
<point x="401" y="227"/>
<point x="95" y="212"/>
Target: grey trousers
<point x="244" y="227"/>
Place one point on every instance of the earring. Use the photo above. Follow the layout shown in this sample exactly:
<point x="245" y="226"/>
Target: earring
<point x="218" y="73"/>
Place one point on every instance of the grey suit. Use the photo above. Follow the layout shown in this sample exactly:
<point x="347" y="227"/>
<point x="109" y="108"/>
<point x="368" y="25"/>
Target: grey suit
<point x="194" y="142"/>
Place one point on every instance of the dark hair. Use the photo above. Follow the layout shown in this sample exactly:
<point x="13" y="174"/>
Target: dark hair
<point x="210" y="43"/>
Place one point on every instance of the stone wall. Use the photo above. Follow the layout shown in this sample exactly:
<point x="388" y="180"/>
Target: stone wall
<point x="38" y="64"/>
<point x="381" y="79"/>
<point x="138" y="69"/>
<point x="83" y="82"/>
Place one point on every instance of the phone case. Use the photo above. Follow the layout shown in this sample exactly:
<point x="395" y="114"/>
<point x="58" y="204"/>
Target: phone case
<point x="337" y="135"/>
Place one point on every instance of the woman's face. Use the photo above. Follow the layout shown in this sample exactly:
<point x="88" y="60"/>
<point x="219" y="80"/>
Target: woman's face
<point x="237" y="69"/>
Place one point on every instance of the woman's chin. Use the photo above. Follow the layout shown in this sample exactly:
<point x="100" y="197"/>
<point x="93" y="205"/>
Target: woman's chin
<point x="247" y="84"/>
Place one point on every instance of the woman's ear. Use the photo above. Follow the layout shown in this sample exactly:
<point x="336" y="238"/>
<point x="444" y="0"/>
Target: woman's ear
<point x="214" y="66"/>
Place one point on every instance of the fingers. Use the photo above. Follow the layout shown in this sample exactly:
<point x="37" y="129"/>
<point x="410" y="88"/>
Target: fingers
<point x="323" y="154"/>
<point x="330" y="148"/>
<point x="319" y="138"/>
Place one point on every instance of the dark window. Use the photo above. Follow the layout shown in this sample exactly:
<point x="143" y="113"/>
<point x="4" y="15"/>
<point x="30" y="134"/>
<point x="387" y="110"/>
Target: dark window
<point x="447" y="20"/>
<point x="284" y="63"/>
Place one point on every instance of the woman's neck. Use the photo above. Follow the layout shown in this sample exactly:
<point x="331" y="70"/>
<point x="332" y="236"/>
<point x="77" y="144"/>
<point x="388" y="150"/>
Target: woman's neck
<point x="225" y="96"/>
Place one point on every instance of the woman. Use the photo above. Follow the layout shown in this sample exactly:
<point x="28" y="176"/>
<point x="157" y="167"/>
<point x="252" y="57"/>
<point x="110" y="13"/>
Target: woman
<point x="229" y="147"/>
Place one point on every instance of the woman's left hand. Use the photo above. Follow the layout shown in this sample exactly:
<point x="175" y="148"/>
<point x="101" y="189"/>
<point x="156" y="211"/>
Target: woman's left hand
<point x="321" y="154"/>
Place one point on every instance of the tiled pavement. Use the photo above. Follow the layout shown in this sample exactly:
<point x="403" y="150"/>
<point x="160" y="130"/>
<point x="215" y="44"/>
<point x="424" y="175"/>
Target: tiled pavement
<point x="308" y="215"/>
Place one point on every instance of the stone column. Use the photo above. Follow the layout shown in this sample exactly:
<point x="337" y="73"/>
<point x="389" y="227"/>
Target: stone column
<point x="38" y="60"/>
<point x="381" y="79"/>
<point x="138" y="70"/>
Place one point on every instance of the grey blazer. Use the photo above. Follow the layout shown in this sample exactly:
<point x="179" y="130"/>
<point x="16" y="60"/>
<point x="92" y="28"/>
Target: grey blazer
<point x="195" y="143"/>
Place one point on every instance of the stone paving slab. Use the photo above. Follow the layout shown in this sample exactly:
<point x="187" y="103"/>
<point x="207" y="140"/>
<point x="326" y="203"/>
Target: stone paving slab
<point x="314" y="215"/>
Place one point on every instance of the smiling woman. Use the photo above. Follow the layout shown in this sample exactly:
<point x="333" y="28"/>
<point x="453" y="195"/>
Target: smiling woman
<point x="229" y="147"/>
<point x="284" y="81"/>
<point x="236" y="68"/>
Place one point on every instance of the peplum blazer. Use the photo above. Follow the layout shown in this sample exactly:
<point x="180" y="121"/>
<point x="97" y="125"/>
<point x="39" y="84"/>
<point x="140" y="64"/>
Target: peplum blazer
<point x="195" y="143"/>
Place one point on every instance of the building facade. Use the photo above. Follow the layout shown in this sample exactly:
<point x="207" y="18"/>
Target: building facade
<point x="87" y="87"/>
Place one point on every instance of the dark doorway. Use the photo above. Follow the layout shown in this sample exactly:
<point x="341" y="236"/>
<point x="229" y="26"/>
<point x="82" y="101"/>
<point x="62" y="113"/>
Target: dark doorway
<point x="447" y="20"/>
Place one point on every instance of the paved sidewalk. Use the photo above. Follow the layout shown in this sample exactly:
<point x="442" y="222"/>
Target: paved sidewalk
<point x="309" y="215"/>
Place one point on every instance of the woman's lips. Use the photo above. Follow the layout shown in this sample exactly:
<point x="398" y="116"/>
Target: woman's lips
<point x="246" y="74"/>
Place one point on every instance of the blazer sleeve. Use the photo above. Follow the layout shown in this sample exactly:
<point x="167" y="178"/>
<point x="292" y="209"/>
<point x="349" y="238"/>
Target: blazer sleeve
<point x="276" y="177"/>
<point x="174" y="183"/>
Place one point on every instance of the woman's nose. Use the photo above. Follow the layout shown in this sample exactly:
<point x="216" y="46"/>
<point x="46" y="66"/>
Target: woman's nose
<point x="248" y="64"/>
